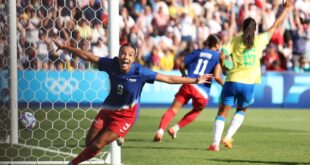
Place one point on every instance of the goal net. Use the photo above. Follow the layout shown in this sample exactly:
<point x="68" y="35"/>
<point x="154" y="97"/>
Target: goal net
<point x="62" y="91"/>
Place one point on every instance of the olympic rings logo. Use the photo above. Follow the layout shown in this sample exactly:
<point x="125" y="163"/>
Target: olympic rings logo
<point x="61" y="85"/>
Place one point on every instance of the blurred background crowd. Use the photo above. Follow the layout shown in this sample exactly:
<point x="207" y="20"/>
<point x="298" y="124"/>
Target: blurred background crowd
<point x="161" y="30"/>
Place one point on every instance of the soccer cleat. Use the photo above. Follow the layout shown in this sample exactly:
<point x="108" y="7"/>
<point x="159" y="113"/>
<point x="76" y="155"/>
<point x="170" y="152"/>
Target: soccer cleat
<point x="172" y="133"/>
<point x="120" y="141"/>
<point x="214" y="147"/>
<point x="158" y="137"/>
<point x="228" y="143"/>
<point x="70" y="163"/>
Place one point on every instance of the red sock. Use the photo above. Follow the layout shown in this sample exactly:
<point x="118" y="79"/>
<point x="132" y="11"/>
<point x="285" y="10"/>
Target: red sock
<point x="86" y="154"/>
<point x="188" y="118"/>
<point x="166" y="119"/>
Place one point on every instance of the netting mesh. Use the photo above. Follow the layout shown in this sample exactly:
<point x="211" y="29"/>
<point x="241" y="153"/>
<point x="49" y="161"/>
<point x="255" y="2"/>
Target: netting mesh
<point x="4" y="76"/>
<point x="61" y="90"/>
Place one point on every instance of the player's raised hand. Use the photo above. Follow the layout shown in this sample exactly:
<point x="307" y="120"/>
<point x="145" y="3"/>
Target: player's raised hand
<point x="206" y="78"/>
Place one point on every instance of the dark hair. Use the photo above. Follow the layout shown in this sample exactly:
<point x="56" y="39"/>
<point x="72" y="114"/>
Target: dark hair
<point x="212" y="40"/>
<point x="128" y="45"/>
<point x="249" y="27"/>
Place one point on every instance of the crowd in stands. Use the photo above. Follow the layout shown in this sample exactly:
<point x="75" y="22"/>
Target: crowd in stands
<point x="161" y="30"/>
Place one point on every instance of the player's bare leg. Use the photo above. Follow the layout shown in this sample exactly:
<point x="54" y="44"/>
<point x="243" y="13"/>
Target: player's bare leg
<point x="167" y="118"/>
<point x="100" y="141"/>
<point x="104" y="139"/>
<point x="93" y="132"/>
<point x="187" y="119"/>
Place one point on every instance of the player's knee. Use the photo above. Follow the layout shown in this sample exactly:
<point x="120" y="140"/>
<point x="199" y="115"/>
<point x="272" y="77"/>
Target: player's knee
<point x="241" y="109"/>
<point x="199" y="107"/>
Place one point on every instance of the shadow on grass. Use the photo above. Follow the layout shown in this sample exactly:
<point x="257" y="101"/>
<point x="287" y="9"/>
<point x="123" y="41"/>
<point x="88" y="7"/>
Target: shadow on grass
<point x="260" y="162"/>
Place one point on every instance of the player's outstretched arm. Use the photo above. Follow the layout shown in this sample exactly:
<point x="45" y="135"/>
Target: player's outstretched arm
<point x="171" y="79"/>
<point x="85" y="55"/>
<point x="279" y="21"/>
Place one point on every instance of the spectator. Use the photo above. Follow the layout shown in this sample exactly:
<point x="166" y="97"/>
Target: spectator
<point x="268" y="17"/>
<point x="45" y="66"/>
<point x="166" y="63"/>
<point x="126" y="21"/>
<point x="304" y="65"/>
<point x="42" y="51"/>
<point x="273" y="60"/>
<point x="59" y="65"/>
<point x="139" y="7"/>
<point x="299" y="44"/>
<point x="84" y="29"/>
<point x="307" y="51"/>
<point x="97" y="32"/>
<point x="160" y="21"/>
<point x="100" y="49"/>
<point x="155" y="58"/>
<point x="146" y="22"/>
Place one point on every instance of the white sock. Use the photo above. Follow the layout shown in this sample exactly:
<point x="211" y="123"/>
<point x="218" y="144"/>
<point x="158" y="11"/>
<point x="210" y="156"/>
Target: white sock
<point x="218" y="129"/>
<point x="160" y="131"/>
<point x="176" y="128"/>
<point x="235" y="124"/>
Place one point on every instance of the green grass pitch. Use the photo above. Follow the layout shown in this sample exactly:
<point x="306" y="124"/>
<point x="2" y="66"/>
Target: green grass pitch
<point x="267" y="136"/>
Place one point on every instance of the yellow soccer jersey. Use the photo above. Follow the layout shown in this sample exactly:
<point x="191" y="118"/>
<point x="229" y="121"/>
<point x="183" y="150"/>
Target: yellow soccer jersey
<point x="246" y="63"/>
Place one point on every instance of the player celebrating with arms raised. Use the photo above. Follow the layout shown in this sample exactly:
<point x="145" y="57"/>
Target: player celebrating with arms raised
<point x="119" y="110"/>
<point x="246" y="51"/>
<point x="199" y="62"/>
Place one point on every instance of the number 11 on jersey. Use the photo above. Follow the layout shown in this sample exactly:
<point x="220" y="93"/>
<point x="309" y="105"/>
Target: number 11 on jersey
<point x="201" y="67"/>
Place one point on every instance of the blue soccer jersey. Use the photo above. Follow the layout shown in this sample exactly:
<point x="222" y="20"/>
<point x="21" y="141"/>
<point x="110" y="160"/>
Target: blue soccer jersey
<point x="125" y="88"/>
<point x="199" y="62"/>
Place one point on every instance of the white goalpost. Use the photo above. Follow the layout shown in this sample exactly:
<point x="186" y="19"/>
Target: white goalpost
<point x="60" y="131"/>
<point x="13" y="72"/>
<point x="113" y="30"/>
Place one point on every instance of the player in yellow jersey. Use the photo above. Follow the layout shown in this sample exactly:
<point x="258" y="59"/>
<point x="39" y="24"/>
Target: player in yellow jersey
<point x="245" y="51"/>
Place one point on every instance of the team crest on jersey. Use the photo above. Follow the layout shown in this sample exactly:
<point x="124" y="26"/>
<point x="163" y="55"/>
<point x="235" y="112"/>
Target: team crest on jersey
<point x="132" y="80"/>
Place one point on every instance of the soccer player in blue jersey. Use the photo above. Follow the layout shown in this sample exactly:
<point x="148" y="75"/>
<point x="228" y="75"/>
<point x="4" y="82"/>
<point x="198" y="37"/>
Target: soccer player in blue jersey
<point x="119" y="110"/>
<point x="246" y="50"/>
<point x="199" y="62"/>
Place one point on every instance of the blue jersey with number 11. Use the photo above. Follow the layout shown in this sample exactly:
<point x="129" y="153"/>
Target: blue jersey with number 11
<point x="199" y="62"/>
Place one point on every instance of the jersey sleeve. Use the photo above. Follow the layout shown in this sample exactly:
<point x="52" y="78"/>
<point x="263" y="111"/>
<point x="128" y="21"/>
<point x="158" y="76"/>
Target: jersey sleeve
<point x="227" y="48"/>
<point x="263" y="40"/>
<point x="147" y="74"/>
<point x="105" y="63"/>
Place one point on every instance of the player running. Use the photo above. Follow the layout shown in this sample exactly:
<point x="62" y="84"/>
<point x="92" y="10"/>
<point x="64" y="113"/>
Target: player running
<point x="245" y="51"/>
<point x="199" y="62"/>
<point x="119" y="109"/>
